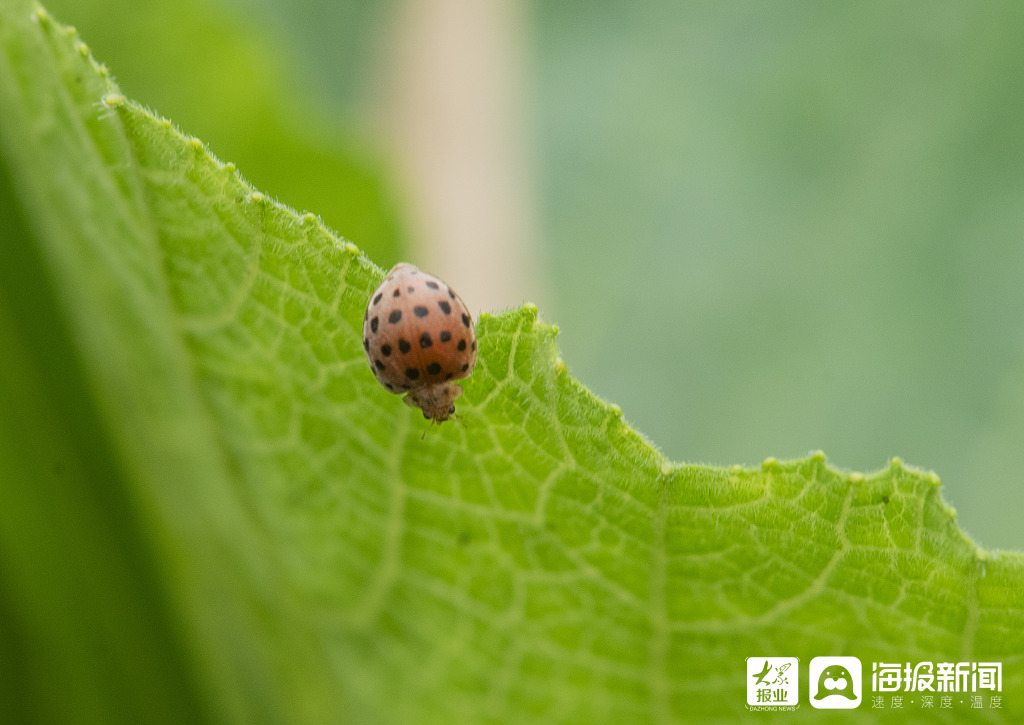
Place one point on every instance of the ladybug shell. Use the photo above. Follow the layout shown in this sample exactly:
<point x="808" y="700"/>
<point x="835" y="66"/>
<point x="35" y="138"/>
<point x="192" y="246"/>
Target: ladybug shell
<point x="417" y="332"/>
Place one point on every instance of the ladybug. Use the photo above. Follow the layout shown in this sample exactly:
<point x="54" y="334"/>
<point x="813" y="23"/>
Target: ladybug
<point x="419" y="338"/>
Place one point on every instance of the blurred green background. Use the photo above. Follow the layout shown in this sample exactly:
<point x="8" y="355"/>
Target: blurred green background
<point x="763" y="228"/>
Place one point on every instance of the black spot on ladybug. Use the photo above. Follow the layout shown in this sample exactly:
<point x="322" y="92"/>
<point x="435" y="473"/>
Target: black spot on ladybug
<point x="393" y="318"/>
<point x="410" y="290"/>
<point x="449" y="376"/>
<point x="366" y="344"/>
<point x="412" y="373"/>
<point x="373" y="324"/>
<point x="450" y="293"/>
<point x="385" y="350"/>
<point x="425" y="340"/>
<point x="462" y="345"/>
<point x="434" y="369"/>
<point x="445" y="307"/>
<point x="377" y="298"/>
<point x="379" y="364"/>
<point x="473" y="347"/>
<point x="445" y="336"/>
<point x="465" y="367"/>
<point x="419" y="311"/>
<point x="432" y="285"/>
<point x="397" y="293"/>
<point x="465" y="320"/>
<point x="404" y="346"/>
<point x="390" y="387"/>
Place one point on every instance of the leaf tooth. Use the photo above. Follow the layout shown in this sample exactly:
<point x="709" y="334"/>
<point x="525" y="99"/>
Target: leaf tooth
<point x="42" y="17"/>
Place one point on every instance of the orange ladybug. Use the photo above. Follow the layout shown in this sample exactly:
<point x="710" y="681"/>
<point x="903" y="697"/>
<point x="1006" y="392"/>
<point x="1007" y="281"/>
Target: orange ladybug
<point x="419" y="338"/>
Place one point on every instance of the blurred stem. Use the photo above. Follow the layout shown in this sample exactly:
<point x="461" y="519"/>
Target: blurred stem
<point x="455" y="112"/>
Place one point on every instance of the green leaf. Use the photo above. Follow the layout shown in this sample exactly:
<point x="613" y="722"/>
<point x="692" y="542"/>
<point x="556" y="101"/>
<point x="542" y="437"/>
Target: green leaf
<point x="212" y="511"/>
